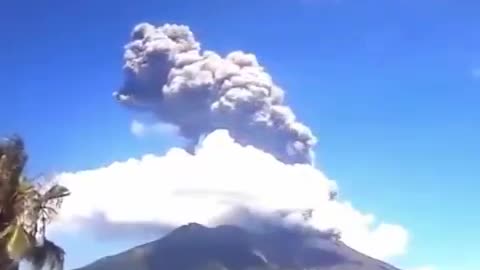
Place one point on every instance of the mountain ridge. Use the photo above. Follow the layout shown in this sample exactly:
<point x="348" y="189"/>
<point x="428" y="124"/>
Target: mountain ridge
<point x="197" y="247"/>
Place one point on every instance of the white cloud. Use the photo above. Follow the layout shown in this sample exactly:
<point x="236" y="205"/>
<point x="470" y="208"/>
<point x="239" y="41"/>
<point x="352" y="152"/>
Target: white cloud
<point x="141" y="129"/>
<point x="178" y="188"/>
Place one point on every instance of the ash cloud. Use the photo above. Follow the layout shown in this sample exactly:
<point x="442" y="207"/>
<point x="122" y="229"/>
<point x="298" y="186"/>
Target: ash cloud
<point x="224" y="183"/>
<point x="169" y="75"/>
<point x="230" y="109"/>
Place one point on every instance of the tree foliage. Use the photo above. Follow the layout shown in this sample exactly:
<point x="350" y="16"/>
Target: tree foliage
<point x="26" y="207"/>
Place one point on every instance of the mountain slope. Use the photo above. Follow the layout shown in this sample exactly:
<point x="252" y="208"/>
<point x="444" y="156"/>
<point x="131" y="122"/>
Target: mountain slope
<point x="195" y="247"/>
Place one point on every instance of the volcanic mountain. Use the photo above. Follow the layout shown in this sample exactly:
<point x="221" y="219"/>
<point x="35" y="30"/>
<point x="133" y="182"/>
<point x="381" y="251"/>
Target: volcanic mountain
<point x="196" y="247"/>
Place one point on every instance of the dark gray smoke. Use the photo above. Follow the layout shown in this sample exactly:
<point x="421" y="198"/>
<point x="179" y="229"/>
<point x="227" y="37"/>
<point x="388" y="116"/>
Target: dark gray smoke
<point x="167" y="73"/>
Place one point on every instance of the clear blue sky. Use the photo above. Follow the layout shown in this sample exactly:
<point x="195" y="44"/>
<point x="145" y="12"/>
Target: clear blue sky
<point x="391" y="88"/>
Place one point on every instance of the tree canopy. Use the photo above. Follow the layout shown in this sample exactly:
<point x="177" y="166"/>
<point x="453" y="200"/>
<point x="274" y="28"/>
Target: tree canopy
<point x="26" y="207"/>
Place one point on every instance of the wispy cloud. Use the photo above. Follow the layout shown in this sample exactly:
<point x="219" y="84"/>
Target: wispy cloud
<point x="141" y="129"/>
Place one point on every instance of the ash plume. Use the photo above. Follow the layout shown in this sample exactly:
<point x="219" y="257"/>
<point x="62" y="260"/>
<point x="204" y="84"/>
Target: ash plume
<point x="252" y="164"/>
<point x="224" y="183"/>
<point x="167" y="74"/>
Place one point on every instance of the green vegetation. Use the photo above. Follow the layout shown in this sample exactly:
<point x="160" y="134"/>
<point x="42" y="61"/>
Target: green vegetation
<point x="26" y="207"/>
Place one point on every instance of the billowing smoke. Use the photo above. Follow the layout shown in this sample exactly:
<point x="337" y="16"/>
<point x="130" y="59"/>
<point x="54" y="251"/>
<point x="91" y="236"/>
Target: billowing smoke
<point x="253" y="167"/>
<point x="167" y="73"/>
<point x="223" y="183"/>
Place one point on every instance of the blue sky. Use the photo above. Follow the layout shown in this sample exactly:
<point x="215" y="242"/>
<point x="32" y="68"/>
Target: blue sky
<point x="391" y="88"/>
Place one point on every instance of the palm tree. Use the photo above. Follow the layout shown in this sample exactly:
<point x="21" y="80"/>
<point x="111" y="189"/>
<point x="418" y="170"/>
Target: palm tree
<point x="26" y="208"/>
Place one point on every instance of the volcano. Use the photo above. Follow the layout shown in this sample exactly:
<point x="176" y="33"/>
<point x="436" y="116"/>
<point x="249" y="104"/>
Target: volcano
<point x="196" y="247"/>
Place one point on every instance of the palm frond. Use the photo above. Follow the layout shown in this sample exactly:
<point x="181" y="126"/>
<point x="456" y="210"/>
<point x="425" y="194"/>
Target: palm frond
<point x="12" y="158"/>
<point x="56" y="192"/>
<point x="8" y="230"/>
<point x="19" y="242"/>
<point x="47" y="254"/>
<point x="25" y="209"/>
